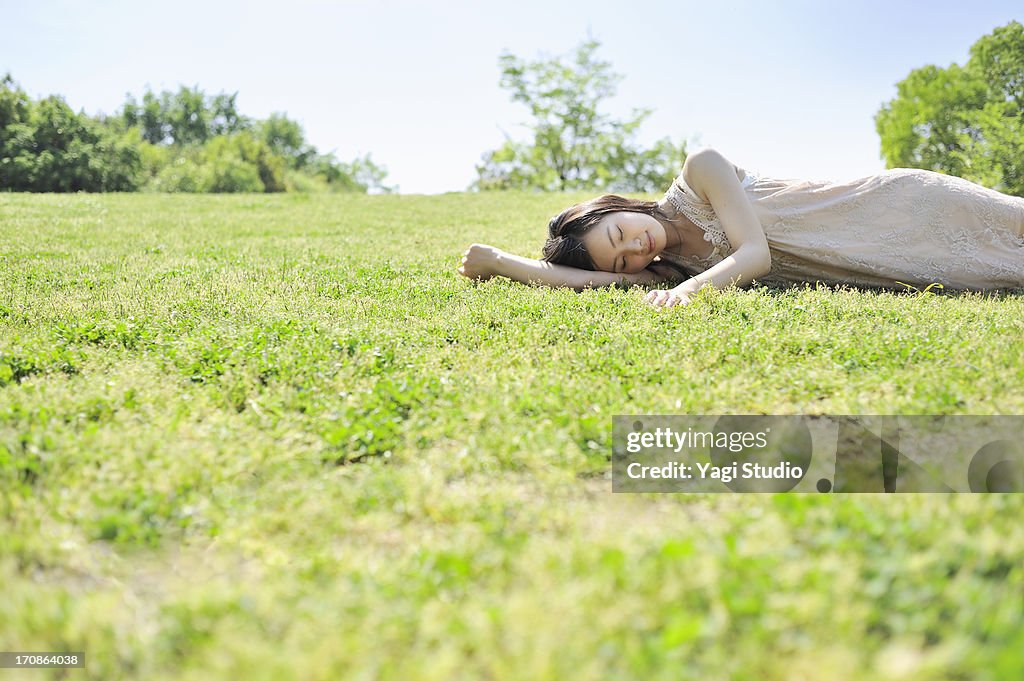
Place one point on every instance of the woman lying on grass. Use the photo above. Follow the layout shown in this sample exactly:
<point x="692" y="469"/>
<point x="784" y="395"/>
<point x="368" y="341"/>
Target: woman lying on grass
<point x="721" y="225"/>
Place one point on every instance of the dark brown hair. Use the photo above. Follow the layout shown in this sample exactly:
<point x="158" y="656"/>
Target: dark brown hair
<point x="564" y="245"/>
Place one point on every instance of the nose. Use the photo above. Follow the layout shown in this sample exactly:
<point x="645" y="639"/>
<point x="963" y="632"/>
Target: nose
<point x="639" y="246"/>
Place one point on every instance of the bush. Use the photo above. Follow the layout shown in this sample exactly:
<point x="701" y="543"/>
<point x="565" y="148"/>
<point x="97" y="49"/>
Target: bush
<point x="182" y="174"/>
<point x="47" y="147"/>
<point x="171" y="142"/>
<point x="229" y="166"/>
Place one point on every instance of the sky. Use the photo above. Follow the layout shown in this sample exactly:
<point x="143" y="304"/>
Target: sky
<point x="787" y="88"/>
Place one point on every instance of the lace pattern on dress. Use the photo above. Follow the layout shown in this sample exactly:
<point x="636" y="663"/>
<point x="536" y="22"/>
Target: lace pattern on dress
<point x="685" y="200"/>
<point x="901" y="225"/>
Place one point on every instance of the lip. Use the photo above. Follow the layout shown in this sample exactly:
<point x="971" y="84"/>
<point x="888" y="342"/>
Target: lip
<point x="650" y="244"/>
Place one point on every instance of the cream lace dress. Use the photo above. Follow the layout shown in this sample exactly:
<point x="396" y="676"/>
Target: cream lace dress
<point x="911" y="226"/>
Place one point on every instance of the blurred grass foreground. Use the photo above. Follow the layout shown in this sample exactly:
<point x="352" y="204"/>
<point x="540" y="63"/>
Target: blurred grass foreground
<point x="271" y="437"/>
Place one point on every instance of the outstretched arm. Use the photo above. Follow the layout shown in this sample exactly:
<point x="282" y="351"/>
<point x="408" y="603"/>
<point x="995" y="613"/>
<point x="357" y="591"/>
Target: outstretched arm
<point x="483" y="262"/>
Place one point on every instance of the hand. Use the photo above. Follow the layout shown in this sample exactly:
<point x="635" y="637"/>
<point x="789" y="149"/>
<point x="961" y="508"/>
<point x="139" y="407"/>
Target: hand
<point x="669" y="298"/>
<point x="480" y="262"/>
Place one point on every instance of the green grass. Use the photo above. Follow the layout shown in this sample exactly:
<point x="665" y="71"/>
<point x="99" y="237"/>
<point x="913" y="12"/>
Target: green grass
<point x="279" y="437"/>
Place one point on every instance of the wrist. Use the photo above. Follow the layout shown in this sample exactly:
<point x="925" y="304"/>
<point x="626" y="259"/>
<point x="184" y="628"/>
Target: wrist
<point x="498" y="262"/>
<point x="688" y="287"/>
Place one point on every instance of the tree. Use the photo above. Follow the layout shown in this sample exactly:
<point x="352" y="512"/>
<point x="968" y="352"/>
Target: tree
<point x="187" y="116"/>
<point x="966" y="121"/>
<point x="199" y="143"/>
<point x="287" y="139"/>
<point x="182" y="141"/>
<point x="574" y="145"/>
<point x="359" y="175"/>
<point x="46" y="147"/>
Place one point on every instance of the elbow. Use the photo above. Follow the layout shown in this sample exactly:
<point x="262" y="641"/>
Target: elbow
<point x="759" y="260"/>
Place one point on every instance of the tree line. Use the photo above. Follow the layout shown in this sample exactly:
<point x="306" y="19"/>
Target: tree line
<point x="960" y="120"/>
<point x="184" y="141"/>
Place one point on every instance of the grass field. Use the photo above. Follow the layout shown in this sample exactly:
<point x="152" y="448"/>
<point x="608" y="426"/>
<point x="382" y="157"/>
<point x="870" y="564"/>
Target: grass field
<point x="271" y="437"/>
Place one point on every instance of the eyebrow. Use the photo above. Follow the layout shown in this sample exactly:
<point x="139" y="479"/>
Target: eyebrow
<point x="612" y="242"/>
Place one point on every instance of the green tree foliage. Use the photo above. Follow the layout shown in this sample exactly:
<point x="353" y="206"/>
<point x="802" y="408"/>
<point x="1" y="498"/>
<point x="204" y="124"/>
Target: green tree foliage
<point x="360" y="174"/>
<point x="966" y="121"/>
<point x="574" y="145"/>
<point x="47" y="147"/>
<point x="184" y="141"/>
<point x="286" y="138"/>
<point x="187" y="116"/>
<point x="227" y="163"/>
<point x="213" y="148"/>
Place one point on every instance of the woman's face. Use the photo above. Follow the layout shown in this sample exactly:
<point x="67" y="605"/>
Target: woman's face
<point x="625" y="242"/>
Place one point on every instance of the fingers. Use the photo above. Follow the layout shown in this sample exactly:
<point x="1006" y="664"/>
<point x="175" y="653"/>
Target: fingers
<point x="653" y="297"/>
<point x="469" y="273"/>
<point x="658" y="298"/>
<point x="476" y="263"/>
<point x="662" y="298"/>
<point x="468" y="255"/>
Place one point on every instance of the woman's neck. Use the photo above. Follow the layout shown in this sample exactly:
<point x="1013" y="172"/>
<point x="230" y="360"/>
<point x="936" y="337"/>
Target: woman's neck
<point x="673" y="237"/>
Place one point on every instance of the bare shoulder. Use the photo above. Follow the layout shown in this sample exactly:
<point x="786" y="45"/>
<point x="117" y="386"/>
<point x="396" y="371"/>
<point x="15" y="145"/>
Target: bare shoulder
<point x="705" y="166"/>
<point x="705" y="158"/>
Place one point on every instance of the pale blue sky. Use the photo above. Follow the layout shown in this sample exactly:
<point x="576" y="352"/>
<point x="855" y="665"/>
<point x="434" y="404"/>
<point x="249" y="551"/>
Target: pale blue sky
<point x="787" y="88"/>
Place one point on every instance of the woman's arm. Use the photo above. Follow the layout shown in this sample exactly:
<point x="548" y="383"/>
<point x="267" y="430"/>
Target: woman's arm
<point x="483" y="262"/>
<point x="709" y="174"/>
